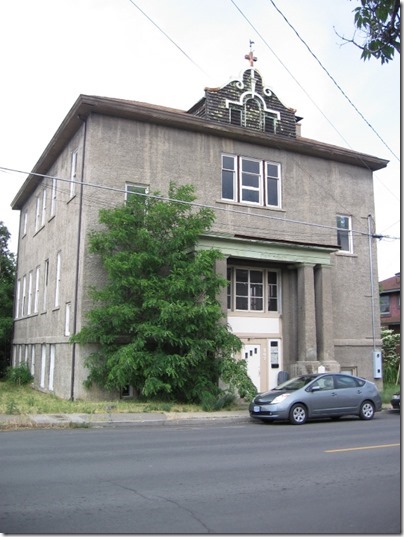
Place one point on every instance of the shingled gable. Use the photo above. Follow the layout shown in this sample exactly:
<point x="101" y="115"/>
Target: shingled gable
<point x="249" y="104"/>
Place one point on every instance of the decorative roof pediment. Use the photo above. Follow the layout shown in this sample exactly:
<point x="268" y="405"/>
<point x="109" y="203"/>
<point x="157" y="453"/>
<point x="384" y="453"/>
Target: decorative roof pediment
<point x="248" y="103"/>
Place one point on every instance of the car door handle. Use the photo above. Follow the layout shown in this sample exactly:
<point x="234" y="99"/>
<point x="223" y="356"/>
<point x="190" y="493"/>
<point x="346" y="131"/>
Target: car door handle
<point x="334" y="394"/>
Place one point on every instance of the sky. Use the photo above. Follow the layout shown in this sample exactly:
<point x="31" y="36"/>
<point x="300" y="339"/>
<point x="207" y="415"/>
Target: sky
<point x="166" y="52"/>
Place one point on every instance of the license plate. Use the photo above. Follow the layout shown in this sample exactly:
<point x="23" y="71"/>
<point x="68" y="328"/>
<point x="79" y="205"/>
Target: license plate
<point x="257" y="409"/>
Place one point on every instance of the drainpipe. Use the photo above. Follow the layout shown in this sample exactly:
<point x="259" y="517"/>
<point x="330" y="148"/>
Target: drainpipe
<point x="370" y="235"/>
<point x="76" y="290"/>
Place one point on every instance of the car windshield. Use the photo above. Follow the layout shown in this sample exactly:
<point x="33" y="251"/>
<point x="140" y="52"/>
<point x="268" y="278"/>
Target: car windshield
<point x="295" y="383"/>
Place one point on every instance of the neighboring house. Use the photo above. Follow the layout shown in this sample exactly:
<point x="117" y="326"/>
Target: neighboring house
<point x="291" y="221"/>
<point x="390" y="303"/>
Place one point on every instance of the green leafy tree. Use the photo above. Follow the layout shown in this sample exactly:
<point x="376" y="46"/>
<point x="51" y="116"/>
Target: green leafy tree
<point x="378" y="22"/>
<point x="157" y="322"/>
<point x="391" y="357"/>
<point x="7" y="276"/>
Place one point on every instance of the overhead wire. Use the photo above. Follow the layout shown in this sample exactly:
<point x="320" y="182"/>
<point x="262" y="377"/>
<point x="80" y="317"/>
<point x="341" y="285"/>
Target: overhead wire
<point x="167" y="199"/>
<point x="298" y="83"/>
<point x="194" y="63"/>
<point x="168" y="37"/>
<point x="310" y="175"/>
<point x="333" y="79"/>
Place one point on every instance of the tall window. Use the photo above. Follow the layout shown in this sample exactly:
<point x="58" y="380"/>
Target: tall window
<point x="67" y="318"/>
<point x="17" y="302"/>
<point x="24" y="222"/>
<point x="273" y="291"/>
<point x="36" y="297"/>
<point x="251" y="181"/>
<point x="344" y="233"/>
<point x="249" y="290"/>
<point x="273" y="176"/>
<point x="53" y="200"/>
<point x="37" y="212"/>
<point x="24" y="296"/>
<point x="43" y="217"/>
<point x="235" y="116"/>
<point x="43" y="365"/>
<point x="45" y="283"/>
<point x="52" y="351"/>
<point x="57" y="282"/>
<point x="32" y="359"/>
<point x="29" y="308"/>
<point x="73" y="173"/>
<point x="385" y="304"/>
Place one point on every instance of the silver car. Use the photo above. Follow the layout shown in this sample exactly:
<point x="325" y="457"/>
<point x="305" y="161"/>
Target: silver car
<point x="322" y="395"/>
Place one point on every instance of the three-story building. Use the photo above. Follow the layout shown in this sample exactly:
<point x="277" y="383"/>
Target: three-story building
<point x="291" y="220"/>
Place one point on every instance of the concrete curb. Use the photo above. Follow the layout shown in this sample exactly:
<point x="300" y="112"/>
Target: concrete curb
<point x="46" y="421"/>
<point x="34" y="421"/>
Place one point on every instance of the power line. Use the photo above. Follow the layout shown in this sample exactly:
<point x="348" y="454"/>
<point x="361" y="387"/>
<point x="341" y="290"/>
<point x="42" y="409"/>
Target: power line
<point x="168" y="37"/>
<point x="303" y="89"/>
<point x="333" y="80"/>
<point x="190" y="203"/>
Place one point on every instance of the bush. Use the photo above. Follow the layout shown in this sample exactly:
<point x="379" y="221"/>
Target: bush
<point x="19" y="375"/>
<point x="212" y="402"/>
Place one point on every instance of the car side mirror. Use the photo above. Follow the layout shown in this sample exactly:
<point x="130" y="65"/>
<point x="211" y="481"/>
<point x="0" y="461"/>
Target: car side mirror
<point x="315" y="389"/>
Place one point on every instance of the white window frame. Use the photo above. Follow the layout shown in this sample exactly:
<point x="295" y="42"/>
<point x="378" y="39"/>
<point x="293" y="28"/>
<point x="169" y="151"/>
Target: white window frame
<point x="37" y="284"/>
<point x="29" y="305"/>
<point x="133" y="188"/>
<point x="231" y="290"/>
<point x="37" y="213"/>
<point x="32" y="360"/>
<point x="57" y="279"/>
<point x="43" y="365"/>
<point x="67" y="318"/>
<point x="73" y="172"/>
<point x="24" y="222"/>
<point x="346" y="231"/>
<point x="235" y="179"/>
<point x="43" y="217"/>
<point x="269" y="177"/>
<point x="251" y="298"/>
<point x="45" y="284"/>
<point x="53" y="196"/>
<point x="24" y="296"/>
<point x="52" y="359"/>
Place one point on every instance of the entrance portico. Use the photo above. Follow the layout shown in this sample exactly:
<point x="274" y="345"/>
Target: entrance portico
<point x="300" y="334"/>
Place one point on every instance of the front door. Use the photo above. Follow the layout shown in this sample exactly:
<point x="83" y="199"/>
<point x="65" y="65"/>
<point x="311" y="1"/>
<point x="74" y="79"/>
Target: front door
<point x="252" y="355"/>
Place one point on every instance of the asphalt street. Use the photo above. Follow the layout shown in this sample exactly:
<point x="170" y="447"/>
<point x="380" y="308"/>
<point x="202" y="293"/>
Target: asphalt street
<point x="323" y="477"/>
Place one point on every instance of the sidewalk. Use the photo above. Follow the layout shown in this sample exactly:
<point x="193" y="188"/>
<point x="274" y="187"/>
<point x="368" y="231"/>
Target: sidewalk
<point x="45" y="421"/>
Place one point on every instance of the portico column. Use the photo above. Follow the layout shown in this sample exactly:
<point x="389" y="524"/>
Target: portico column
<point x="306" y="319"/>
<point x="221" y="270"/>
<point x="324" y="313"/>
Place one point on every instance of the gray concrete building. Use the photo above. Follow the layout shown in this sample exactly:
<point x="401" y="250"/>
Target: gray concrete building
<point x="292" y="220"/>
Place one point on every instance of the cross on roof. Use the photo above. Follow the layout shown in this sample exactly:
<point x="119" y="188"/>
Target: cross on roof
<point x="250" y="56"/>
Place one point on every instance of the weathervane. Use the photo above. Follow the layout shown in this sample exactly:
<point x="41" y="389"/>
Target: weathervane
<point x="250" y="57"/>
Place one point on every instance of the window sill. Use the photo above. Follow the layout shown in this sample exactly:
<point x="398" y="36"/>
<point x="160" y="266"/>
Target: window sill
<point x="39" y="230"/>
<point x="251" y="205"/>
<point x="342" y="253"/>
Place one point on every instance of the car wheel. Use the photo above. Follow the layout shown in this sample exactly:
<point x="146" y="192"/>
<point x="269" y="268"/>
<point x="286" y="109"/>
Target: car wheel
<point x="298" y="414"/>
<point x="367" y="410"/>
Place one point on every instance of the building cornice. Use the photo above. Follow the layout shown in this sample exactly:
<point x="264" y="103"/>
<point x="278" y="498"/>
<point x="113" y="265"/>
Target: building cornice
<point x="86" y="105"/>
